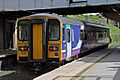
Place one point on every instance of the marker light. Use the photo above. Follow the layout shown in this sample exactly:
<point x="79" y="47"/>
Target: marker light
<point x="50" y="48"/>
<point x="54" y="48"/>
<point x="23" y="48"/>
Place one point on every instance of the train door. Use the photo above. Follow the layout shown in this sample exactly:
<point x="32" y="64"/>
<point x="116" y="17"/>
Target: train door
<point x="37" y="52"/>
<point x="68" y="39"/>
<point x="37" y="41"/>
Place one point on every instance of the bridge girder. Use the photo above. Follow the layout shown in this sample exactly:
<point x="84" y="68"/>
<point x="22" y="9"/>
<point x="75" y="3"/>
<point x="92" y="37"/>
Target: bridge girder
<point x="107" y="10"/>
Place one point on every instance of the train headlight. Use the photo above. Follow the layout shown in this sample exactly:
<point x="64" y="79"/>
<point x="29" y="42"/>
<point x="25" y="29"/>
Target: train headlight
<point x="23" y="48"/>
<point x="54" y="48"/>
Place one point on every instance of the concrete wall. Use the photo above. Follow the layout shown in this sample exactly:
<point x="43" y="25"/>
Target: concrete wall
<point x="1" y="34"/>
<point x="6" y="33"/>
<point x="9" y="31"/>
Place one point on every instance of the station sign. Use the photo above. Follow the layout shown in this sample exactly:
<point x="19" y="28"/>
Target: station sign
<point x="77" y="1"/>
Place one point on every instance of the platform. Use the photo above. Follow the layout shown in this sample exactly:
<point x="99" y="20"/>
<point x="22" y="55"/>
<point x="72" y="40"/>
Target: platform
<point x="100" y="65"/>
<point x="6" y="53"/>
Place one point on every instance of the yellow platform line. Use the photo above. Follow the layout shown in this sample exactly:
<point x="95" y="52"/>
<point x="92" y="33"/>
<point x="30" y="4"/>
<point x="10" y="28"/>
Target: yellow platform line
<point x="78" y="69"/>
<point x="88" y="70"/>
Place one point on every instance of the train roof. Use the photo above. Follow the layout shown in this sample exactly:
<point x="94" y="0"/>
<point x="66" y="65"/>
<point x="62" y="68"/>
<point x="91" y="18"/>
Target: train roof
<point x="96" y="25"/>
<point x="64" y="20"/>
<point x="70" y="21"/>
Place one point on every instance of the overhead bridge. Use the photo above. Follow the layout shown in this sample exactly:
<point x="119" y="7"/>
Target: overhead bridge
<point x="64" y="7"/>
<point x="16" y="5"/>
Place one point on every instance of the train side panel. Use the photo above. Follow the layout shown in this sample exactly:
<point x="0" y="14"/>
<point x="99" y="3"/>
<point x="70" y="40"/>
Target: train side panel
<point x="95" y="37"/>
<point x="71" y="35"/>
<point x="76" y="42"/>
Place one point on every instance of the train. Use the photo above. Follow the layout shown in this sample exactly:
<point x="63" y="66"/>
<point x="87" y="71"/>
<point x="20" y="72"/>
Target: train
<point x="47" y="37"/>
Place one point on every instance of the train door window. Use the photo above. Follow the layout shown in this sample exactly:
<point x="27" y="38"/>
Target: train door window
<point x="54" y="29"/>
<point x="73" y="35"/>
<point x="23" y="30"/>
<point x="68" y="35"/>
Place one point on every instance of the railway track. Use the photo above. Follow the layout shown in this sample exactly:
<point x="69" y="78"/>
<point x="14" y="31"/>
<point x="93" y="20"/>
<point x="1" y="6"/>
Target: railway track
<point x="18" y="72"/>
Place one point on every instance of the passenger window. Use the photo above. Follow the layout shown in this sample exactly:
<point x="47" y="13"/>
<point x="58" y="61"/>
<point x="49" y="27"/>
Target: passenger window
<point x="97" y="35"/>
<point x="105" y="33"/>
<point x="73" y="35"/>
<point x="82" y="35"/>
<point x="68" y="35"/>
<point x="100" y="34"/>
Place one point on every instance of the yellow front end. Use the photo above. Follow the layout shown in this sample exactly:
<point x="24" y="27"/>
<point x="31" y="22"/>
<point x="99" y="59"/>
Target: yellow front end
<point x="30" y="33"/>
<point x="22" y="51"/>
<point x="54" y="51"/>
<point x="22" y="40"/>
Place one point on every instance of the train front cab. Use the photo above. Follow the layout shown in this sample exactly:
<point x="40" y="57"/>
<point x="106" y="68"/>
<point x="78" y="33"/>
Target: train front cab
<point x="54" y="40"/>
<point x="22" y="40"/>
<point x="33" y="45"/>
<point x="31" y="40"/>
